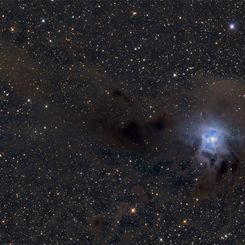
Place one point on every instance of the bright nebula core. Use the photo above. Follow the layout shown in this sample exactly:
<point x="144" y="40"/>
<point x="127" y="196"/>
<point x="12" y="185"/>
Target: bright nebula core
<point x="213" y="145"/>
<point x="212" y="140"/>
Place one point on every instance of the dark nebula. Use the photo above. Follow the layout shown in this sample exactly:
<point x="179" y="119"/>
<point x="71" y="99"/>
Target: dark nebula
<point x="122" y="122"/>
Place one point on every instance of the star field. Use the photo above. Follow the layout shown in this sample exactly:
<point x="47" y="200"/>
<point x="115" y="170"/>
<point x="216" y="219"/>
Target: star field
<point x="101" y="106"/>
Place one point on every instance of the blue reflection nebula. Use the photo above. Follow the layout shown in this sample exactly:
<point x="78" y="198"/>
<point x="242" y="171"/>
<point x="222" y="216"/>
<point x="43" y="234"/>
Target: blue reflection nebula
<point x="210" y="140"/>
<point x="213" y="145"/>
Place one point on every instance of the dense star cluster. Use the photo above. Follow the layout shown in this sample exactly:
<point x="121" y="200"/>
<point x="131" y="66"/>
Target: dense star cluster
<point x="108" y="122"/>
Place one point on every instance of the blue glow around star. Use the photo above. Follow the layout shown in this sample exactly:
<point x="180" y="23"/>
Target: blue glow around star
<point x="233" y="26"/>
<point x="210" y="140"/>
<point x="213" y="140"/>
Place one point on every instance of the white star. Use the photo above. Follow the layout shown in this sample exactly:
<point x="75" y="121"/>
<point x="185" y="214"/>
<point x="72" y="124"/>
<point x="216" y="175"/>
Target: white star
<point x="232" y="26"/>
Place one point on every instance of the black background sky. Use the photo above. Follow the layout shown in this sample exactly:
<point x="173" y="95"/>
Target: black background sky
<point x="100" y="102"/>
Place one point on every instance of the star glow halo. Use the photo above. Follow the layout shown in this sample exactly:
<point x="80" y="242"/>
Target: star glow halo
<point x="214" y="140"/>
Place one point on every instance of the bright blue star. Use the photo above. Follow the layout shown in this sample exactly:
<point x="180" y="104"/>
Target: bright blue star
<point x="232" y="26"/>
